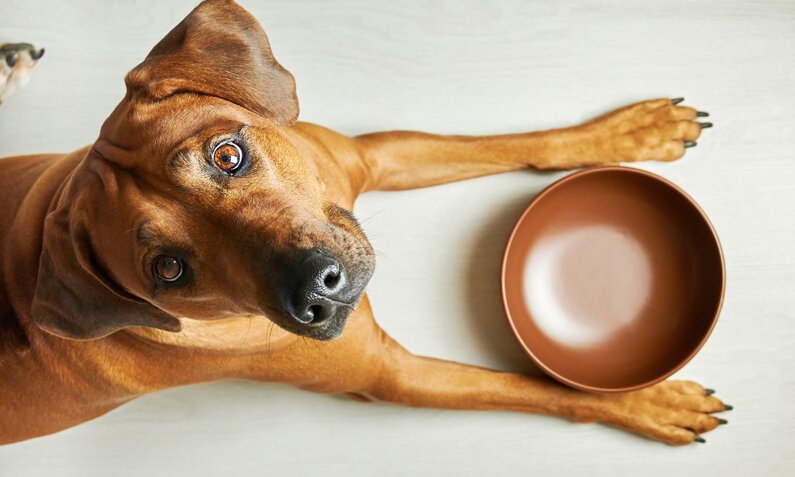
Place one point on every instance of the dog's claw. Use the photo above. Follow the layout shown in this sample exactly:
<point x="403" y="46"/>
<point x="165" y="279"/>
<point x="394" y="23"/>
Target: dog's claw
<point x="722" y="421"/>
<point x="690" y="143"/>
<point x="700" y="439"/>
<point x="728" y="407"/>
<point x="677" y="100"/>
<point x="709" y="391"/>
<point x="702" y="114"/>
<point x="705" y="125"/>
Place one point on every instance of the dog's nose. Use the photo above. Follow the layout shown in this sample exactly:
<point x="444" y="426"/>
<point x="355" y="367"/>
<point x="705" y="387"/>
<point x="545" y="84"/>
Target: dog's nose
<point x="320" y="280"/>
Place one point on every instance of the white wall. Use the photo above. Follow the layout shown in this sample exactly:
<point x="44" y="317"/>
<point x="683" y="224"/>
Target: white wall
<point x="461" y="67"/>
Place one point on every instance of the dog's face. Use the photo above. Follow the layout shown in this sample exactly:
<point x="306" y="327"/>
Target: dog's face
<point x="196" y="200"/>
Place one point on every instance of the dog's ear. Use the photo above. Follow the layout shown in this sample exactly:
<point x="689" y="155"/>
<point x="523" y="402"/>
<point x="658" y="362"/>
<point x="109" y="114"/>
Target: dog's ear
<point x="75" y="298"/>
<point x="219" y="49"/>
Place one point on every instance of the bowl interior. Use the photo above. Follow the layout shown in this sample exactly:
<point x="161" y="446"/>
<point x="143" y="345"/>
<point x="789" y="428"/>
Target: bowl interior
<point x="613" y="279"/>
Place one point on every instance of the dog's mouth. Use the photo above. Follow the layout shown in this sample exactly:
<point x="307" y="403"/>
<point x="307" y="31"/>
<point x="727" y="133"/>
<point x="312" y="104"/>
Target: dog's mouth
<point x="329" y="328"/>
<point x="326" y="322"/>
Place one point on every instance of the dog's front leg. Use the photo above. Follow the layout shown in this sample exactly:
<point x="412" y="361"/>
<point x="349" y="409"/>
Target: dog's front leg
<point x="675" y="412"/>
<point x="651" y="130"/>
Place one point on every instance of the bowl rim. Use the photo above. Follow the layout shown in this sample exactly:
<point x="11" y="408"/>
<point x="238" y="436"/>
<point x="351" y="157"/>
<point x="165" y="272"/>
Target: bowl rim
<point x="574" y="176"/>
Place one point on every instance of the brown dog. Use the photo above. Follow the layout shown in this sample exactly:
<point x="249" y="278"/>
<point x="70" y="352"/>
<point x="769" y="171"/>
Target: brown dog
<point x="164" y="253"/>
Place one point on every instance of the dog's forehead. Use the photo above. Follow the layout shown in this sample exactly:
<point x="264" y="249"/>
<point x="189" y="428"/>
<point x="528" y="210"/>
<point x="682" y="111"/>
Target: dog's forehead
<point x="179" y="182"/>
<point x="153" y="225"/>
<point x="142" y="135"/>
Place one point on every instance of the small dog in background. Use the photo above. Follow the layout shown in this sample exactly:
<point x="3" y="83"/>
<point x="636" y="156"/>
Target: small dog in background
<point x="18" y="60"/>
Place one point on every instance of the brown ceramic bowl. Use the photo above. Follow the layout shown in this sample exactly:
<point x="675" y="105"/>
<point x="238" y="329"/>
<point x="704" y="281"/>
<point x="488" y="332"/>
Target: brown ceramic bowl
<point x="612" y="279"/>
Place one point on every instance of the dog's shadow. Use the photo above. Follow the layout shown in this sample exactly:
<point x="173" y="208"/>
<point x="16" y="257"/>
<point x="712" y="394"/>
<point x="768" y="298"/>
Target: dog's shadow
<point x="486" y="319"/>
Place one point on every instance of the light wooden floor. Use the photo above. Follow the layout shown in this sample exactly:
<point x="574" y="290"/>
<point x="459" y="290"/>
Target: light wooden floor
<point x="461" y="67"/>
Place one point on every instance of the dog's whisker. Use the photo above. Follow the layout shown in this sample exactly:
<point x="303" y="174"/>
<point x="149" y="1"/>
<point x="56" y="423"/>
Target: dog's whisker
<point x="248" y="329"/>
<point x="268" y="343"/>
<point x="372" y="216"/>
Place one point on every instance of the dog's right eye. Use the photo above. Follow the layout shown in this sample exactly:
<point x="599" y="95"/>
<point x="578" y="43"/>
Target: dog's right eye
<point x="228" y="157"/>
<point x="11" y="60"/>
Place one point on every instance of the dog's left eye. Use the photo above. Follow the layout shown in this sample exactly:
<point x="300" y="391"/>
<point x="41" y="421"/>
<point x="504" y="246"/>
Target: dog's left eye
<point x="228" y="157"/>
<point x="11" y="60"/>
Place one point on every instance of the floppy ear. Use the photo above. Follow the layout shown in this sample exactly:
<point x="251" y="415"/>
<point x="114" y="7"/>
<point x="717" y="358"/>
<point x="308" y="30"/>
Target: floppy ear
<point x="220" y="50"/>
<point x="74" y="296"/>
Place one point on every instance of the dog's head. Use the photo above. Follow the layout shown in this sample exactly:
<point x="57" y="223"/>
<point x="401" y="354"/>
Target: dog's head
<point x="197" y="202"/>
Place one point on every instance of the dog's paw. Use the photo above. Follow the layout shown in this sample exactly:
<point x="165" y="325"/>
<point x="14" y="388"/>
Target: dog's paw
<point x="674" y="412"/>
<point x="655" y="130"/>
<point x="16" y="65"/>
